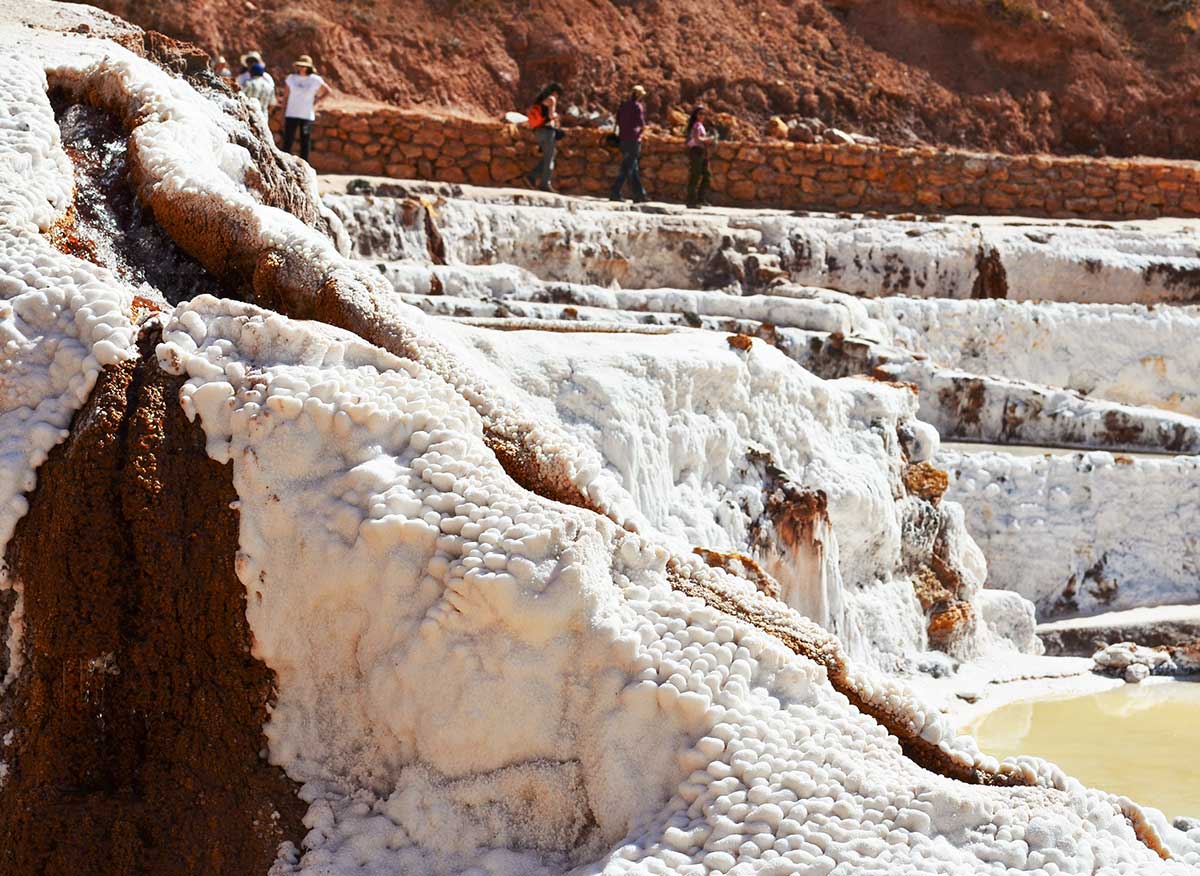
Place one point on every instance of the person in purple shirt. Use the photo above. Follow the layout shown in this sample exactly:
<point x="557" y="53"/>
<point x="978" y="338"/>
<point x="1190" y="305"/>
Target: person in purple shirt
<point x="631" y="122"/>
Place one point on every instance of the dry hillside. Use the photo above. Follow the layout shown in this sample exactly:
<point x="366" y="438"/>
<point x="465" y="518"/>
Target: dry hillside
<point x="1094" y="76"/>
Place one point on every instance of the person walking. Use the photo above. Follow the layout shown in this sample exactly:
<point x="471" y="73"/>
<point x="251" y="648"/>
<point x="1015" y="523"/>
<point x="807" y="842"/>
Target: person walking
<point x="304" y="89"/>
<point x="543" y="118"/>
<point x="631" y="123"/>
<point x="249" y="60"/>
<point x="260" y="88"/>
<point x="698" y="142"/>
<point x="222" y="69"/>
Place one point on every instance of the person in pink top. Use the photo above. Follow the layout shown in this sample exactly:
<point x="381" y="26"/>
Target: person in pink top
<point x="698" y="141"/>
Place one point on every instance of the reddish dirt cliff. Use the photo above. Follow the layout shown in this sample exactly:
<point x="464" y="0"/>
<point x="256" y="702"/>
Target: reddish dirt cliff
<point x="1096" y="76"/>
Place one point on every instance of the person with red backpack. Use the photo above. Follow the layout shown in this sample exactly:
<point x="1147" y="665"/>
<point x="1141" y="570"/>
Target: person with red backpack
<point x="543" y="118"/>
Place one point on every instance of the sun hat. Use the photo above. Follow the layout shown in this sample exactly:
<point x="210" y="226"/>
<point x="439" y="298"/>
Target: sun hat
<point x="639" y="90"/>
<point x="305" y="61"/>
<point x="250" y="58"/>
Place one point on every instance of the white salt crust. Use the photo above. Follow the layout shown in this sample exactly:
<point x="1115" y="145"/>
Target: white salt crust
<point x="673" y="420"/>
<point x="450" y="646"/>
<point x="1079" y="533"/>
<point x="446" y="641"/>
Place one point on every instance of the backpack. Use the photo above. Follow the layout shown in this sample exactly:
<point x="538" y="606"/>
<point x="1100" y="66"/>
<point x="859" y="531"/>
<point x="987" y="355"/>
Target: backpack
<point x="537" y="115"/>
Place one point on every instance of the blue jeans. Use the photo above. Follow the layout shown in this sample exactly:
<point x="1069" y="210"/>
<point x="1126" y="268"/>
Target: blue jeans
<point x="547" y="139"/>
<point x="631" y="153"/>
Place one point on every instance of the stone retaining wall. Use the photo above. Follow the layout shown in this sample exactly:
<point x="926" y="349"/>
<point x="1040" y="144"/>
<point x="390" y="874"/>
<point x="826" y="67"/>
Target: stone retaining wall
<point x="856" y="177"/>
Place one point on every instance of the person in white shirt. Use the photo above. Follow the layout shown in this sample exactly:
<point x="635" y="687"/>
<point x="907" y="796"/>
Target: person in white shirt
<point x="304" y="89"/>
<point x="249" y="60"/>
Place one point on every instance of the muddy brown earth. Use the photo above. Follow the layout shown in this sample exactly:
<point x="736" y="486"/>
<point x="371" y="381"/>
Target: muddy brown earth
<point x="135" y="725"/>
<point x="1070" y="76"/>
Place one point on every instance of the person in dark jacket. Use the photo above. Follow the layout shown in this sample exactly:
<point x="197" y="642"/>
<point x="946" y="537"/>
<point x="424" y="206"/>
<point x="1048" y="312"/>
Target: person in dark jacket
<point x="631" y="122"/>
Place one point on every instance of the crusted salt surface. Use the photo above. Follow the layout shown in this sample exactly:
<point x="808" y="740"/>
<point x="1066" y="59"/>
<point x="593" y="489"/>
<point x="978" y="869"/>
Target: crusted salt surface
<point x="448" y="643"/>
<point x="936" y="259"/>
<point x="1079" y="533"/>
<point x="677" y="421"/>
<point x="1123" y="353"/>
<point x="61" y="319"/>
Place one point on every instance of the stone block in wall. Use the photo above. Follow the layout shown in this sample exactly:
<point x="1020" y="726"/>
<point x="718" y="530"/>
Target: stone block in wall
<point x="474" y="137"/>
<point x="429" y="135"/>
<point x="997" y="200"/>
<point x="847" y="156"/>
<point x="675" y="173"/>
<point x="401" y="170"/>
<point x="478" y="174"/>
<point x="505" y="170"/>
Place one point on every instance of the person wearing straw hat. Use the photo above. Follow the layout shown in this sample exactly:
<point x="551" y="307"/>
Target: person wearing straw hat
<point x="631" y="122"/>
<point x="249" y="60"/>
<point x="304" y="89"/>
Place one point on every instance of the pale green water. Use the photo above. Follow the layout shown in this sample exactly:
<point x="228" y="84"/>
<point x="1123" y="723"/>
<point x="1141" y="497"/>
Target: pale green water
<point x="1142" y="741"/>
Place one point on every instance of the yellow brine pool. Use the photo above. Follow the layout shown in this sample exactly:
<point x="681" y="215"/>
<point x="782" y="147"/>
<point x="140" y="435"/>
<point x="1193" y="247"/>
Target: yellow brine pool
<point x="1140" y="740"/>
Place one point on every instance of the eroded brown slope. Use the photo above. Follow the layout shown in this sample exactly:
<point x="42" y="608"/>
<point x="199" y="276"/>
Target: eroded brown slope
<point x="1118" y="76"/>
<point x="136" y="720"/>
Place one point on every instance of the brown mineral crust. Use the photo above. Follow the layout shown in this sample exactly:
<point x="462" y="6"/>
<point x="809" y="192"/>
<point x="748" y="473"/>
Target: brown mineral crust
<point x="137" y="717"/>
<point x="64" y="236"/>
<point x="929" y="590"/>
<point x="991" y="280"/>
<point x="743" y="567"/>
<point x="796" y="513"/>
<point x="740" y="341"/>
<point x="948" y="622"/>
<point x="965" y="397"/>
<point x="1121" y="430"/>
<point x="927" y="481"/>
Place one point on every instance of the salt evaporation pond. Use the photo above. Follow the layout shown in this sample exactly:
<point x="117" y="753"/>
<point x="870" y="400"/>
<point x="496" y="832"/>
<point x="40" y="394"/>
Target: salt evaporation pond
<point x="1136" y="740"/>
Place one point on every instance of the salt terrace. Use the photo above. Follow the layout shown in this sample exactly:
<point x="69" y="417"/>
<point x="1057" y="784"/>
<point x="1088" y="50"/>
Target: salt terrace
<point x="564" y="537"/>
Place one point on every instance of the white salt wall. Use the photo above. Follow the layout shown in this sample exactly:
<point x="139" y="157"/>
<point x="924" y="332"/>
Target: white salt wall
<point x="1122" y="529"/>
<point x="447" y="642"/>
<point x="1124" y="353"/>
<point x="568" y="241"/>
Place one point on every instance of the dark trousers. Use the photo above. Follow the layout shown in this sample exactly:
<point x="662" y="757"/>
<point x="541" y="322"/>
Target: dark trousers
<point x="290" y="127"/>
<point x="699" y="178"/>
<point x="631" y="153"/>
<point x="547" y="139"/>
